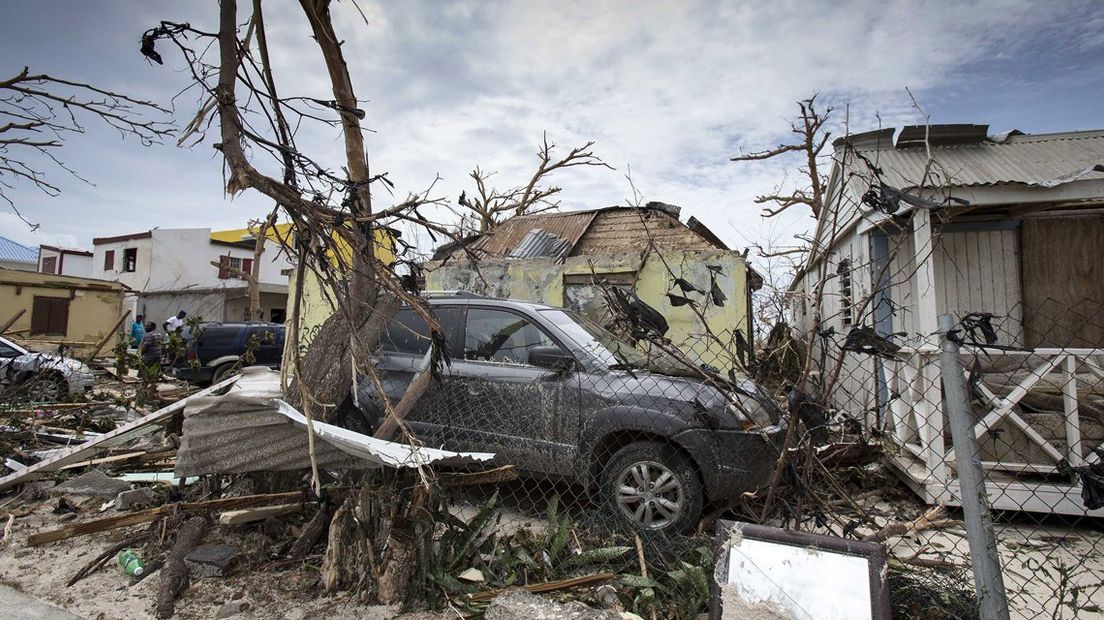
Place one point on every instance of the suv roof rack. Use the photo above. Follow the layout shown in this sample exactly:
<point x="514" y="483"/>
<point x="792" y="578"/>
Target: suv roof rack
<point x="453" y="293"/>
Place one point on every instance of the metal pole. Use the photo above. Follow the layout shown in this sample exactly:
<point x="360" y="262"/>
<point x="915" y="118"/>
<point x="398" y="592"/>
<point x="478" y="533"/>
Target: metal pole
<point x="988" y="581"/>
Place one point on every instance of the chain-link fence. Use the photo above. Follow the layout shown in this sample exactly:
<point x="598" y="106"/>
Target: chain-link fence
<point x="1036" y="412"/>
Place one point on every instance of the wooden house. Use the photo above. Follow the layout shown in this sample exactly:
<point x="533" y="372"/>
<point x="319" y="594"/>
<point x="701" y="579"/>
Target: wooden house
<point x="950" y="220"/>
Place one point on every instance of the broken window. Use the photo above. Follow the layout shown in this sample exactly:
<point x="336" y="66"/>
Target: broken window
<point x="500" y="336"/>
<point x="235" y="267"/>
<point x="130" y="260"/>
<point x="844" y="272"/>
<point x="109" y="260"/>
<point x="409" y="333"/>
<point x="584" y="293"/>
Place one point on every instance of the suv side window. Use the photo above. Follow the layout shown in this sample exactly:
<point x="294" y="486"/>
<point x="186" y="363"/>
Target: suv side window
<point x="500" y="336"/>
<point x="217" y="337"/>
<point x="409" y="333"/>
<point x="266" y="335"/>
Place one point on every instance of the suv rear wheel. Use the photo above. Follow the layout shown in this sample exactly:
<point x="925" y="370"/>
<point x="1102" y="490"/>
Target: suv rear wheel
<point x="652" y="486"/>
<point x="222" y="371"/>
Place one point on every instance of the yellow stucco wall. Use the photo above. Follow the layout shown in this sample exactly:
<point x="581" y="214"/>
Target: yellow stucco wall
<point x="542" y="280"/>
<point x="315" y="307"/>
<point x="94" y="306"/>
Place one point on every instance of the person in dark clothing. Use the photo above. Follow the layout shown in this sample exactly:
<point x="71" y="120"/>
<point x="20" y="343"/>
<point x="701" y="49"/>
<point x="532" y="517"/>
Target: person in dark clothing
<point x="152" y="345"/>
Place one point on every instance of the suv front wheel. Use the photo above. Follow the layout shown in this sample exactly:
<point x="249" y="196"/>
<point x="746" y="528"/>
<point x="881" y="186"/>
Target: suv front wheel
<point x="653" y="487"/>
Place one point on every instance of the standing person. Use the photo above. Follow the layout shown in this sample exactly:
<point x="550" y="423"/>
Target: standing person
<point x="152" y="345"/>
<point x="137" y="331"/>
<point x="175" y="322"/>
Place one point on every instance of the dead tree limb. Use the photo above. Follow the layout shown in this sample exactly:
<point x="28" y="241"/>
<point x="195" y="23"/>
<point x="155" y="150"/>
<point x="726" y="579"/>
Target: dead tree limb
<point x="174" y="575"/>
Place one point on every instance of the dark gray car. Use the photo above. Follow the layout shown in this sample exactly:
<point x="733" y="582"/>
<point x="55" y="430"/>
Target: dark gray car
<point x="560" y="397"/>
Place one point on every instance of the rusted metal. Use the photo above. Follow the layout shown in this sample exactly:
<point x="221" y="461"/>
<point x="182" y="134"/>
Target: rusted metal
<point x="508" y="238"/>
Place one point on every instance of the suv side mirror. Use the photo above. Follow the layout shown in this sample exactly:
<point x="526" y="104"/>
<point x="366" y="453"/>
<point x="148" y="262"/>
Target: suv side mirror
<point x="551" y="357"/>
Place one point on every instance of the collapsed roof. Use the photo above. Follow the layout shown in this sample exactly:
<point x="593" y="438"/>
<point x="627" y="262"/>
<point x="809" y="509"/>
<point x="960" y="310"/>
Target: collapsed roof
<point x="605" y="231"/>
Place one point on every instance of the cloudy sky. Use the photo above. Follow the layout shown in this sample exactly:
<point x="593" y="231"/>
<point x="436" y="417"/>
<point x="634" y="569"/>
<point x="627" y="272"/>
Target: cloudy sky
<point x="670" y="89"/>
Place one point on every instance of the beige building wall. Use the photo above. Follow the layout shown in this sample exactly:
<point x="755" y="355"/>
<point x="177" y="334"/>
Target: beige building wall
<point x="94" y="307"/>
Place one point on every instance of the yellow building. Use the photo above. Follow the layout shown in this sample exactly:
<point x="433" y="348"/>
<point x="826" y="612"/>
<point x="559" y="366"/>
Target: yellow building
<point x="564" y="259"/>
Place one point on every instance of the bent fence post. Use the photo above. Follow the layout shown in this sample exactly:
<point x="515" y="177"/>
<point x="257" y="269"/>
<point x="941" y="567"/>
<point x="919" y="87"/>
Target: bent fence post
<point x="984" y="557"/>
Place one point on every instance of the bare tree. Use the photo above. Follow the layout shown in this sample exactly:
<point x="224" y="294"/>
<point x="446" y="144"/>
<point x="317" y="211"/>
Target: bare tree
<point x="335" y="230"/>
<point x="489" y="206"/>
<point x="39" y="113"/>
<point x="812" y="138"/>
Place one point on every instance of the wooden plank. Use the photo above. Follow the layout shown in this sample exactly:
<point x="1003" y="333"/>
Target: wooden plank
<point x="11" y="321"/>
<point x="1070" y="404"/>
<point x="1018" y="392"/>
<point x="111" y="332"/>
<point x="135" y="429"/>
<point x="107" y="459"/>
<point x="927" y="300"/>
<point x="1062" y="270"/>
<point x="145" y="516"/>
<point x="548" y="586"/>
<point x="252" y="515"/>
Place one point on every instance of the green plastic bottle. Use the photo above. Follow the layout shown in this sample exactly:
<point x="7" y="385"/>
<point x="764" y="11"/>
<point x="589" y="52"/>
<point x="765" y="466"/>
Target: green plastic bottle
<point x="130" y="562"/>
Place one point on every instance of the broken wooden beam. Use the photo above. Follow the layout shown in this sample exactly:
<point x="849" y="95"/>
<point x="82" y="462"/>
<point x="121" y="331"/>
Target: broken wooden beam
<point x="547" y="586"/>
<point x="91" y="448"/>
<point x="152" y="514"/>
<point x="11" y="321"/>
<point x="504" y="473"/>
<point x="252" y="515"/>
<point x="104" y="460"/>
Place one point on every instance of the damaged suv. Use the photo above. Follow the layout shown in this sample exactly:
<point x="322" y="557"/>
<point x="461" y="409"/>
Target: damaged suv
<point x="560" y="397"/>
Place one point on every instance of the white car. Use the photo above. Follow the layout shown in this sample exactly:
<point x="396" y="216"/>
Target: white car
<point x="42" y="377"/>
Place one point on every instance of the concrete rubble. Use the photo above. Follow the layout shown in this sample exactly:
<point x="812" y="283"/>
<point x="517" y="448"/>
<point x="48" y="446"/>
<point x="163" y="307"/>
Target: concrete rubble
<point x="522" y="605"/>
<point x="92" y="484"/>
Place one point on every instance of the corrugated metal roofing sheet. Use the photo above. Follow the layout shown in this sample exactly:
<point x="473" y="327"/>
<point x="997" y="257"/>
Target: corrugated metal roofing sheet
<point x="17" y="252"/>
<point x="557" y="235"/>
<point x="1043" y="160"/>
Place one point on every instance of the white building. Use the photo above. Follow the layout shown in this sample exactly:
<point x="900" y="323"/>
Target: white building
<point x="65" y="261"/>
<point x="949" y="220"/>
<point x="172" y="269"/>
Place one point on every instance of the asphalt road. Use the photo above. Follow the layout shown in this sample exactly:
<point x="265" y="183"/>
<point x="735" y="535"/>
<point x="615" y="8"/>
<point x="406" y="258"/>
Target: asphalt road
<point x="16" y="605"/>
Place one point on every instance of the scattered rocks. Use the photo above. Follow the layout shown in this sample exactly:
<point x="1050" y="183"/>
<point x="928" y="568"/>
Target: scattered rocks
<point x="231" y="608"/>
<point x="134" y="498"/>
<point x="92" y="484"/>
<point x="295" y="613"/>
<point x="522" y="605"/>
<point x="211" y="560"/>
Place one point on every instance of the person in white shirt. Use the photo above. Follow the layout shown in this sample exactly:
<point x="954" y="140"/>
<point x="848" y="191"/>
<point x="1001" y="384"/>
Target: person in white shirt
<point x="175" y="322"/>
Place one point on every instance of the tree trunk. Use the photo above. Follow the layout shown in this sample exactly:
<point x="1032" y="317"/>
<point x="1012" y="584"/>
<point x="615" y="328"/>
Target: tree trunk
<point x="174" y="575"/>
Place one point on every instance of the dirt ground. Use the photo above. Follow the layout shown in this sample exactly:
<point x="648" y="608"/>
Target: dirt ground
<point x="107" y="594"/>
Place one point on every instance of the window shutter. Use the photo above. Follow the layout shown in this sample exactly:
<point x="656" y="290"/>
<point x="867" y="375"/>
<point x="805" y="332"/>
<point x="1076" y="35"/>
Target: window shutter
<point x="50" y="316"/>
<point x="109" y="260"/>
<point x="247" y="267"/>
<point x="224" y="267"/>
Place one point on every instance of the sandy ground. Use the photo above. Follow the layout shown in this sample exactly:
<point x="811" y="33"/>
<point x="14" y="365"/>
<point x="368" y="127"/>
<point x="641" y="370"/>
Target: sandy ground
<point x="106" y="594"/>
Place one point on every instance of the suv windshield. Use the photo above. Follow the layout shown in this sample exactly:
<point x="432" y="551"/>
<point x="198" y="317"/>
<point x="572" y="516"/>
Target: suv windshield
<point x="597" y="340"/>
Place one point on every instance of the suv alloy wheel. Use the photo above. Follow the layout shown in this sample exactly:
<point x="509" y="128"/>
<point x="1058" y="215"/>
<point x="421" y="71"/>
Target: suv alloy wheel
<point x="652" y="486"/>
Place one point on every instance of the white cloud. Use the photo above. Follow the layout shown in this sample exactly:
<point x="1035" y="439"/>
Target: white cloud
<point x="672" y="89"/>
<point x="18" y="231"/>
